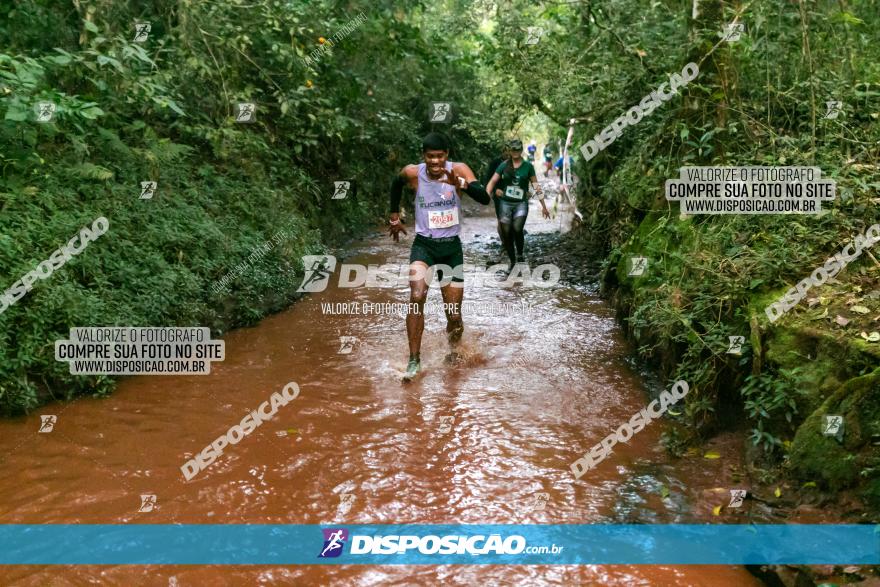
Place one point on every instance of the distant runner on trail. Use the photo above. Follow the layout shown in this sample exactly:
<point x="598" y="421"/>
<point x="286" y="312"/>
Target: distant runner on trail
<point x="564" y="187"/>
<point x="512" y="180"/>
<point x="532" y="148"/>
<point x="493" y="165"/>
<point x="558" y="165"/>
<point x="438" y="184"/>
<point x="487" y="175"/>
<point x="548" y="159"/>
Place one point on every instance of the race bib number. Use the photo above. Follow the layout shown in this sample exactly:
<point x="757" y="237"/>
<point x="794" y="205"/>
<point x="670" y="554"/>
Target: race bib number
<point x="514" y="192"/>
<point x="444" y="219"/>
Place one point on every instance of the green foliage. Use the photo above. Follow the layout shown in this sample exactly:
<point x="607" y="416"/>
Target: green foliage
<point x="162" y="110"/>
<point x="759" y="101"/>
<point x="769" y="397"/>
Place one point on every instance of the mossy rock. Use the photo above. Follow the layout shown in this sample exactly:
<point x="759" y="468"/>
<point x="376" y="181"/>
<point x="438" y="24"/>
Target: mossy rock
<point x="657" y="235"/>
<point x="818" y="361"/>
<point x="815" y="457"/>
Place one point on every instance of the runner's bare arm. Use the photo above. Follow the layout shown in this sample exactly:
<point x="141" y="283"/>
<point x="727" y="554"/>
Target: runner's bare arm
<point x="467" y="182"/>
<point x="402" y="179"/>
<point x="544" y="211"/>
<point x="405" y="178"/>
<point x="537" y="187"/>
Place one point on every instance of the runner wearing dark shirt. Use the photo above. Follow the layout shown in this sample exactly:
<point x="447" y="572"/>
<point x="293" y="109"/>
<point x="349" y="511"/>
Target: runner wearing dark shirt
<point x="487" y="175"/>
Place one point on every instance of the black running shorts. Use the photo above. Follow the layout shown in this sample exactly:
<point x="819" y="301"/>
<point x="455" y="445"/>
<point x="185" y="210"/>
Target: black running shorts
<point x="443" y="251"/>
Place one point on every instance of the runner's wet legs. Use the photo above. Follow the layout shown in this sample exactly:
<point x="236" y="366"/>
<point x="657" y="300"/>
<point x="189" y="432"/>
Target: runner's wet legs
<point x="519" y="225"/>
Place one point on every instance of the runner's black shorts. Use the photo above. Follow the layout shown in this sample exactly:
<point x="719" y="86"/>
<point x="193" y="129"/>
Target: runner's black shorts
<point x="442" y="251"/>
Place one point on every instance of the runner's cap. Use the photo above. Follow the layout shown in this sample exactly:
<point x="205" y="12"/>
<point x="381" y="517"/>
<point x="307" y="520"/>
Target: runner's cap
<point x="515" y="144"/>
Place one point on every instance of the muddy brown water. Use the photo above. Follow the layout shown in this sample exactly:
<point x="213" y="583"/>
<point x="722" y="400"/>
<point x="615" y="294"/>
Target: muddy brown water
<point x="532" y="393"/>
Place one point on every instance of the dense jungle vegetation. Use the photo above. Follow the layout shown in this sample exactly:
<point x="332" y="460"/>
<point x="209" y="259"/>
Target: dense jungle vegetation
<point x="352" y="105"/>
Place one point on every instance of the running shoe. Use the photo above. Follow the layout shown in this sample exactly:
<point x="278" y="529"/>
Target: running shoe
<point x="412" y="369"/>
